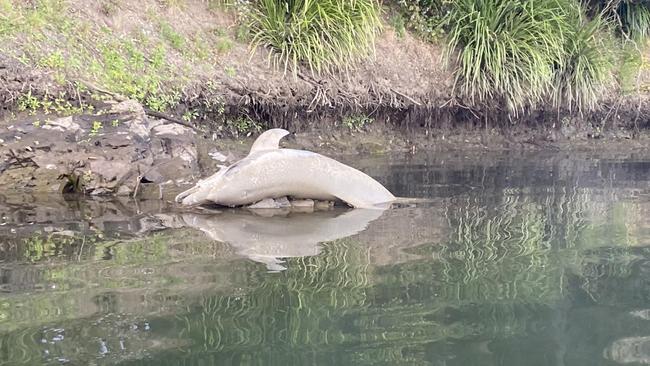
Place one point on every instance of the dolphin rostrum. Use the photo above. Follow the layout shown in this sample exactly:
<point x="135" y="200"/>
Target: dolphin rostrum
<point x="271" y="172"/>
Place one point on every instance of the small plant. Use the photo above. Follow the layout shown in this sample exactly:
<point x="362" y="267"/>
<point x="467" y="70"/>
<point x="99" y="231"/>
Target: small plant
<point x="230" y="71"/>
<point x="97" y="127"/>
<point x="109" y="7"/>
<point x="28" y="102"/>
<point x="426" y="18"/>
<point x="190" y="115"/>
<point x="398" y="24"/>
<point x="54" y="61"/>
<point x="357" y="122"/>
<point x="322" y="34"/>
<point x="171" y="36"/>
<point x="115" y="123"/>
<point x="243" y="125"/>
<point x="224" y="45"/>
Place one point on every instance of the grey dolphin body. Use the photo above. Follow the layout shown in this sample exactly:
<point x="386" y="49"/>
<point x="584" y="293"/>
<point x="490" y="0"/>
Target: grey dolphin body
<point x="268" y="239"/>
<point x="271" y="172"/>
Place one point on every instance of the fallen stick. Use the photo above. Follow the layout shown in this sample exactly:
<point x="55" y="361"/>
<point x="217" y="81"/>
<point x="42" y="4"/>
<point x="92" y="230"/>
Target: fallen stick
<point x="164" y="116"/>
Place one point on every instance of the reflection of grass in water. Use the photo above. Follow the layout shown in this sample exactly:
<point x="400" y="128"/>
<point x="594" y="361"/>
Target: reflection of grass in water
<point x="289" y="308"/>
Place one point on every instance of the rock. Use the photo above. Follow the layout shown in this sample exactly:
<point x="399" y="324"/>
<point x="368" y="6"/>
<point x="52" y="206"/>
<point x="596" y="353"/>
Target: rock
<point x="215" y="155"/>
<point x="171" y="129"/>
<point x="268" y="203"/>
<point x="137" y="124"/>
<point x="283" y="202"/>
<point x="323" y="205"/>
<point x="65" y="124"/>
<point x="305" y="206"/>
<point x="302" y="204"/>
<point x="124" y="190"/>
<point x="109" y="162"/>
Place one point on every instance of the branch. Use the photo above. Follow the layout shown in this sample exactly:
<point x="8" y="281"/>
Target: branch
<point x="169" y="118"/>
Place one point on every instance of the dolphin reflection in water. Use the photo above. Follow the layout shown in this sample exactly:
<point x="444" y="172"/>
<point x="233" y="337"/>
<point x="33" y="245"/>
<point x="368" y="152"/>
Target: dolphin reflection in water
<point x="269" y="239"/>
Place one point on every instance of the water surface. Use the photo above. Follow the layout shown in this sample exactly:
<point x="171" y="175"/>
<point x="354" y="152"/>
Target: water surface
<point x="510" y="260"/>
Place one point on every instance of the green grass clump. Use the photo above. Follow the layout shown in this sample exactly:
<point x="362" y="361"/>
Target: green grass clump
<point x="632" y="17"/>
<point x="580" y="79"/>
<point x="322" y="34"/>
<point x="520" y="53"/>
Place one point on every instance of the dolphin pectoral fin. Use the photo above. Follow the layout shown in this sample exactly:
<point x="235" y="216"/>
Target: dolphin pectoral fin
<point x="269" y="140"/>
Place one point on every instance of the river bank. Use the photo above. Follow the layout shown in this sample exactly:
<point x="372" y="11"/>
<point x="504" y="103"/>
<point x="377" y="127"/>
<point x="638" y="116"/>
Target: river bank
<point x="109" y="97"/>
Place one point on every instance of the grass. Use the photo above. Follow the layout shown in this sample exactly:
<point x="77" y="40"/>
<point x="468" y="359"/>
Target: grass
<point x="580" y="79"/>
<point x="149" y="64"/>
<point x="521" y="53"/>
<point x="324" y="35"/>
<point x="631" y="17"/>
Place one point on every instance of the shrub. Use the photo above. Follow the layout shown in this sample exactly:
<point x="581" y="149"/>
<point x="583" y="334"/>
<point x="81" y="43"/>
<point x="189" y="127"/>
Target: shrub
<point x="425" y="17"/>
<point x="521" y="52"/>
<point x="579" y="80"/>
<point x="632" y="17"/>
<point x="323" y="34"/>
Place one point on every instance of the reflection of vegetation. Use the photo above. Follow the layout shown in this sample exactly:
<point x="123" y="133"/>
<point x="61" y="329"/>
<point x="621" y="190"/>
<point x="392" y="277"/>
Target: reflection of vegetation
<point x="509" y="265"/>
<point x="289" y="308"/>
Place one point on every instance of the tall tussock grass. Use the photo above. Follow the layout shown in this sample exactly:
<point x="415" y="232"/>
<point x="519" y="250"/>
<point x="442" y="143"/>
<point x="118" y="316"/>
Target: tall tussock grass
<point x="632" y="17"/>
<point x="324" y="35"/>
<point x="525" y="53"/>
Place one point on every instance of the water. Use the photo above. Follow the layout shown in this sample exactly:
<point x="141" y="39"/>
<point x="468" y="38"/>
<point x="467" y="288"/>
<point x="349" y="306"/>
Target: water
<point x="511" y="260"/>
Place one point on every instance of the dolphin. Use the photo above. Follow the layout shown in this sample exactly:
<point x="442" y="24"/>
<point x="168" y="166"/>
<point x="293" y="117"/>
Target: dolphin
<point x="272" y="172"/>
<point x="268" y="239"/>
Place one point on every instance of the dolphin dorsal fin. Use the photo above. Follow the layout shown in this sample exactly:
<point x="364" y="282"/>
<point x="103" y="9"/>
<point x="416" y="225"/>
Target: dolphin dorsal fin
<point x="269" y="140"/>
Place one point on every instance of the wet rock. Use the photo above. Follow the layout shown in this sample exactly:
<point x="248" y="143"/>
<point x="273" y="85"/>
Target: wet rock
<point x="283" y="202"/>
<point x="323" y="205"/>
<point x="302" y="205"/>
<point x="65" y="124"/>
<point x="268" y="203"/>
<point x="109" y="153"/>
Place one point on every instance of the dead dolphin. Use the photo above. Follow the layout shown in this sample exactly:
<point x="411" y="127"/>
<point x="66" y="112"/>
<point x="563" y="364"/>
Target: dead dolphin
<point x="268" y="239"/>
<point x="271" y="172"/>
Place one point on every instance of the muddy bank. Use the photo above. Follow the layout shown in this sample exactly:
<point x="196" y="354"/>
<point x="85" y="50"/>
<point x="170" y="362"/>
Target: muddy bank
<point x="122" y="150"/>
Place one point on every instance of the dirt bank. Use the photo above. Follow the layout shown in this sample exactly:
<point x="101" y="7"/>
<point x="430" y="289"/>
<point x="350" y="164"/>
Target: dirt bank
<point x="192" y="59"/>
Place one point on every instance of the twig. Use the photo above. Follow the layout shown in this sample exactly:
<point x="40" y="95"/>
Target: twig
<point x="169" y="118"/>
<point x="406" y="96"/>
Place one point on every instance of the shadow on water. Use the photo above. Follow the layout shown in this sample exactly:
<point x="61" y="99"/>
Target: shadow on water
<point x="510" y="261"/>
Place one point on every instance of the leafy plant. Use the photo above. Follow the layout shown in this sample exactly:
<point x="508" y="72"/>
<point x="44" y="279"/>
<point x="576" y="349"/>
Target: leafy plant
<point x="357" y="122"/>
<point x="97" y="126"/>
<point x="243" y="125"/>
<point x="322" y="34"/>
<point x="425" y="17"/>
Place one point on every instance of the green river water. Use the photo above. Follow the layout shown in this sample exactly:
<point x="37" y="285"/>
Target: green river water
<point x="510" y="259"/>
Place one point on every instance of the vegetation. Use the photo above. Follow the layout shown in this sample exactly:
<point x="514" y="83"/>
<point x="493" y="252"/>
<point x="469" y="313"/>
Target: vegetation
<point x="512" y="56"/>
<point x="322" y="34"/>
<point x="631" y="17"/>
<point x="520" y="52"/>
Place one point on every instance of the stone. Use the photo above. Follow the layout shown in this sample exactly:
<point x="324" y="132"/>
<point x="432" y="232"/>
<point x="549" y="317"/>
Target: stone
<point x="302" y="204"/>
<point x="267" y="203"/>
<point x="62" y="125"/>
<point x="323" y="205"/>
